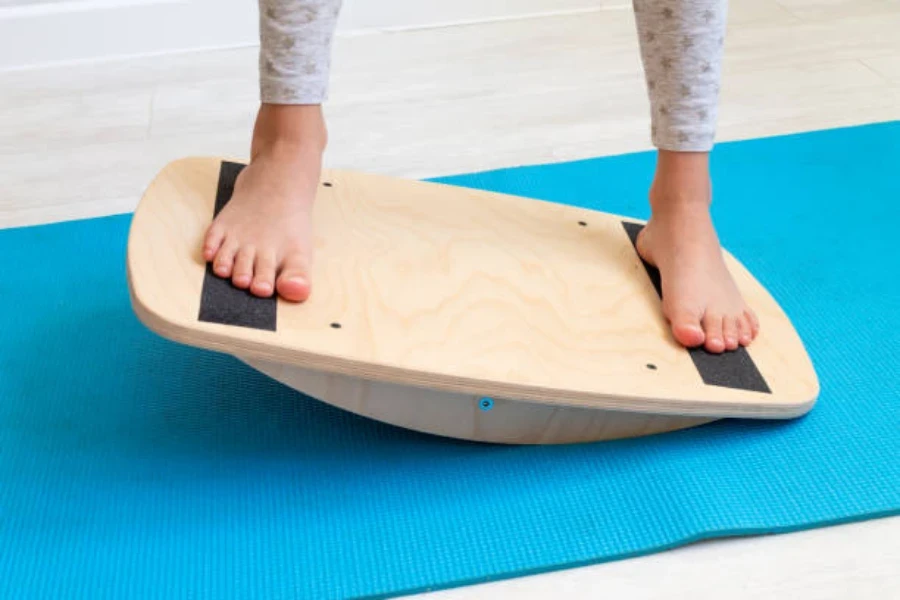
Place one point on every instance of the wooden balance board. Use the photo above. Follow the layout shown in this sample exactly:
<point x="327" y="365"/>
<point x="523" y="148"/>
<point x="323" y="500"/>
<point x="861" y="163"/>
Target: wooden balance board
<point x="461" y="313"/>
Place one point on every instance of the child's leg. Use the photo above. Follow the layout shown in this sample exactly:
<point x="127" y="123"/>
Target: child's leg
<point x="262" y="238"/>
<point x="681" y="48"/>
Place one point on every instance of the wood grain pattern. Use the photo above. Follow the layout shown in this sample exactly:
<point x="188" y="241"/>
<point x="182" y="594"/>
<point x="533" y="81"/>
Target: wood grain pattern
<point x="463" y="291"/>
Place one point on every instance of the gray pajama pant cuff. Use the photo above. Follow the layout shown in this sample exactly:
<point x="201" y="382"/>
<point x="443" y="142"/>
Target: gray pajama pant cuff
<point x="295" y="49"/>
<point x="669" y="132"/>
<point x="681" y="44"/>
<point x="273" y="90"/>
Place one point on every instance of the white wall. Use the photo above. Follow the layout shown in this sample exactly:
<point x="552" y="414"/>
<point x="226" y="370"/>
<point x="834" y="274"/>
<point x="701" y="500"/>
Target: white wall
<point x="24" y="2"/>
<point x="40" y="32"/>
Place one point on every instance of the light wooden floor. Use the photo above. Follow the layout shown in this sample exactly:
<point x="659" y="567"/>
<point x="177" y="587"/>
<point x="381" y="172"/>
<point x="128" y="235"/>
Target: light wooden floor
<point x="83" y="141"/>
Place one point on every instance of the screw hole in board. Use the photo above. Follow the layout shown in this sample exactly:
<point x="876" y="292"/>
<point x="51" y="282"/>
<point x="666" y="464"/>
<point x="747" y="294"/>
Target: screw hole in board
<point x="335" y="325"/>
<point x="582" y="223"/>
<point x="327" y="184"/>
<point x="651" y="366"/>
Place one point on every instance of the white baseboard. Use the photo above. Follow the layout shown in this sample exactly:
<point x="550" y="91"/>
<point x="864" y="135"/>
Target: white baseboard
<point x="80" y="30"/>
<point x="69" y="31"/>
<point x="366" y="15"/>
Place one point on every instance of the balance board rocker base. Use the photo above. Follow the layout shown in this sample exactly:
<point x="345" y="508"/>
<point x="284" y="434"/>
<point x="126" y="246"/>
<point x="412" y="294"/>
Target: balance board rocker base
<point x="461" y="313"/>
<point x="469" y="416"/>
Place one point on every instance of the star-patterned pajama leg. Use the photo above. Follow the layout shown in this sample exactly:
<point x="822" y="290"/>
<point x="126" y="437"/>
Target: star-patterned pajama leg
<point x="681" y="44"/>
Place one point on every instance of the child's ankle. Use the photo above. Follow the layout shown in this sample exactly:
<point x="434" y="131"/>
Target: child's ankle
<point x="682" y="181"/>
<point x="289" y="130"/>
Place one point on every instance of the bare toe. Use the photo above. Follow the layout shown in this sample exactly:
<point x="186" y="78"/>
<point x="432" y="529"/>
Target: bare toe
<point x="214" y="236"/>
<point x="224" y="261"/>
<point x="745" y="331"/>
<point x="712" y="325"/>
<point x="293" y="281"/>
<point x="243" y="267"/>
<point x="264" y="279"/>
<point x="754" y="323"/>
<point x="730" y="332"/>
<point x="687" y="329"/>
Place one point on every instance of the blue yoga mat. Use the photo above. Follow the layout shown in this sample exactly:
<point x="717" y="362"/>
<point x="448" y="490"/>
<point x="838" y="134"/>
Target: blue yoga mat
<point x="135" y="467"/>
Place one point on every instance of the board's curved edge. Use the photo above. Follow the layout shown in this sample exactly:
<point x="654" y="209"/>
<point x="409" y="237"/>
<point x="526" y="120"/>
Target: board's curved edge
<point x="563" y="398"/>
<point x="335" y="366"/>
<point x="149" y="317"/>
<point x="207" y="337"/>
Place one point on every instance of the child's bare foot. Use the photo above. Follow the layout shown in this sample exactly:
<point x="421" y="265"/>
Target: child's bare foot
<point x="700" y="299"/>
<point x="262" y="239"/>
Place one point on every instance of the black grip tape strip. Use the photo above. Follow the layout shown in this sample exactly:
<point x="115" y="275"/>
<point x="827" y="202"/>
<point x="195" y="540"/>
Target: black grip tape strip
<point x="220" y="301"/>
<point x="733" y="369"/>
